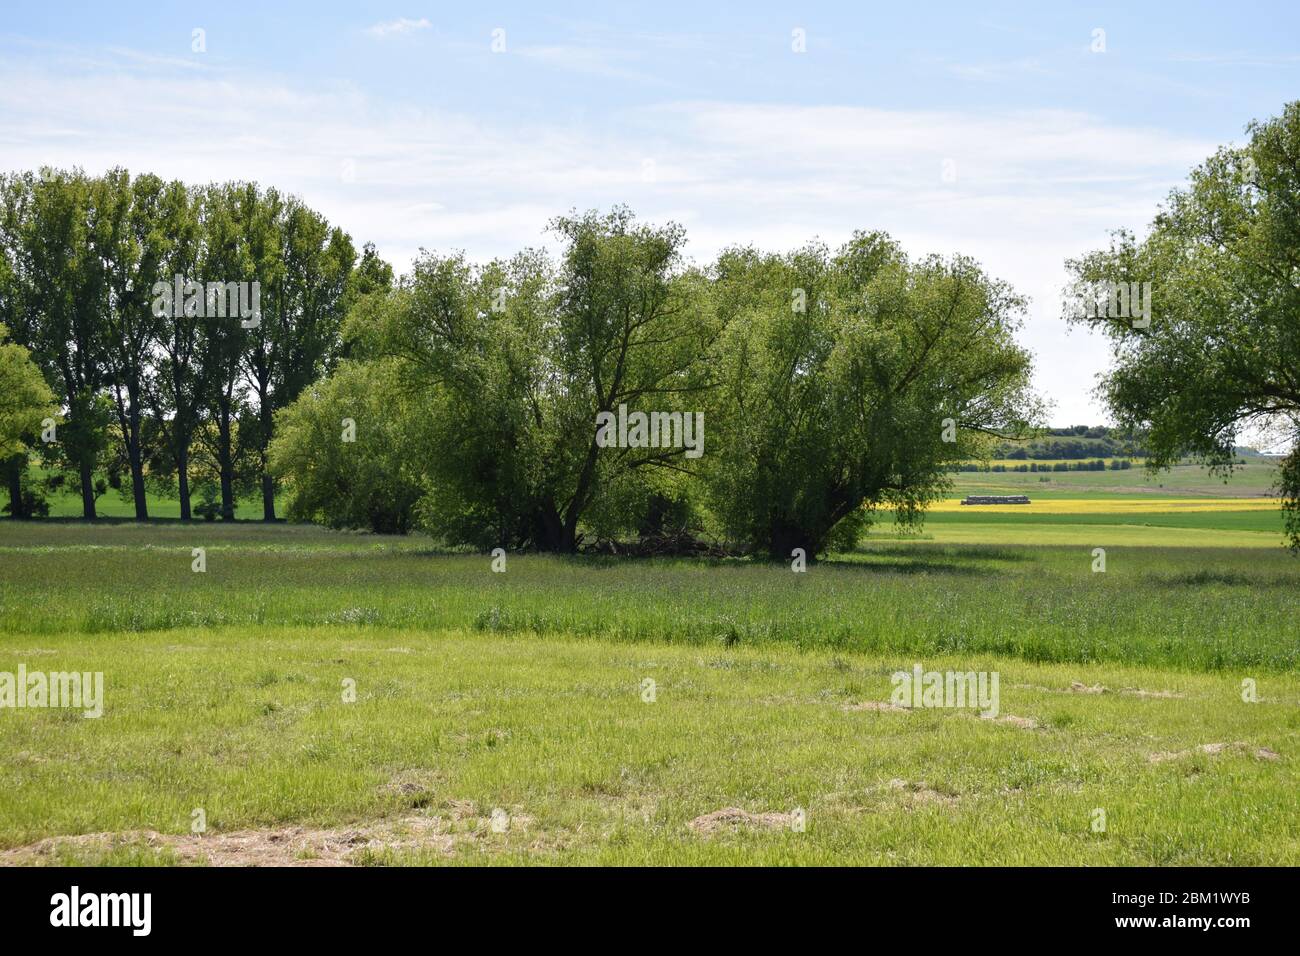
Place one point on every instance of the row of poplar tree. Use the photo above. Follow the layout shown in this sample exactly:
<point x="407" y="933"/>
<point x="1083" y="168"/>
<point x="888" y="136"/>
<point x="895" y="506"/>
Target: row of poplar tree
<point x="173" y="400"/>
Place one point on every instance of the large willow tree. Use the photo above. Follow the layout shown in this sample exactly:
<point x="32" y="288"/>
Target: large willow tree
<point x="1222" y="351"/>
<point x="515" y="360"/>
<point x="851" y="381"/>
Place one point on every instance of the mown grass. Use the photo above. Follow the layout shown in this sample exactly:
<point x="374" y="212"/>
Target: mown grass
<point x="250" y="726"/>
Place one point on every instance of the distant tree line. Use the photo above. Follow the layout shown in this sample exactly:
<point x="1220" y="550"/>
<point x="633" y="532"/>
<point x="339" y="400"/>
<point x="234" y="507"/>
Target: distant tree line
<point x="1086" y="441"/>
<point x="1075" y="442"/>
<point x="1094" y="464"/>
<point x="156" y="393"/>
<point x="1072" y="448"/>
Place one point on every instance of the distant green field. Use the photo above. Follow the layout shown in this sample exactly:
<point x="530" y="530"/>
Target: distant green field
<point x="1269" y="522"/>
<point x="118" y="503"/>
<point x="1252" y="479"/>
<point x="113" y="505"/>
<point x="1081" y="534"/>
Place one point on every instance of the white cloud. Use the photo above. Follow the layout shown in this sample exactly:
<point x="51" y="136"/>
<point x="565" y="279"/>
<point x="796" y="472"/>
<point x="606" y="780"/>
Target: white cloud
<point x="1031" y="189"/>
<point x="398" y="26"/>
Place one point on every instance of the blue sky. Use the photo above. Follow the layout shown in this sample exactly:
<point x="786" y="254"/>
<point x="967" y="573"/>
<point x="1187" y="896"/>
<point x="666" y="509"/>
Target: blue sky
<point x="995" y="130"/>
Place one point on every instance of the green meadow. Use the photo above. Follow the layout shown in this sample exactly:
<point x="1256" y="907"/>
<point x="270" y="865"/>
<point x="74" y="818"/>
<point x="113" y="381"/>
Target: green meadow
<point x="1253" y="478"/>
<point x="449" y="726"/>
<point x="600" y="710"/>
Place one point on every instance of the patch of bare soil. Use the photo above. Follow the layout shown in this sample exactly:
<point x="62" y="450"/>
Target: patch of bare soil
<point x="734" y="818"/>
<point x="880" y="706"/>
<point x="1081" y="688"/>
<point x="1078" y="687"/>
<point x="919" y="794"/>
<point x="289" y="846"/>
<point x="416" y="788"/>
<point x="1024" y="723"/>
<point x="1261" y="753"/>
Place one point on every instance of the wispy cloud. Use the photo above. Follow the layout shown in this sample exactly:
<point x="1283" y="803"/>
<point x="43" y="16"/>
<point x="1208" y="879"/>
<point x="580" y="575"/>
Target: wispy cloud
<point x="1019" y="190"/>
<point x="398" y="26"/>
<point x="1047" y="178"/>
<point x="1237" y="59"/>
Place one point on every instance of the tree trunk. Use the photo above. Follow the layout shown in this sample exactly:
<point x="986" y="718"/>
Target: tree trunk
<point x="137" y="480"/>
<point x="135" y="455"/>
<point x="183" y="474"/>
<point x="568" y="540"/>
<point x="225" y="462"/>
<point x="16" y="466"/>
<point x="268" y="494"/>
<point x="785" y="537"/>
<point x="549" y="534"/>
<point x="87" y="490"/>
<point x="569" y="536"/>
<point x="268" y="483"/>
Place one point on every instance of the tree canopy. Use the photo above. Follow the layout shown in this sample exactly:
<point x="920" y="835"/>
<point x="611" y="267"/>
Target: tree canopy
<point x="25" y="400"/>
<point x="769" y="401"/>
<point x="1221" y="353"/>
<point x="166" y="317"/>
<point x="836" y="376"/>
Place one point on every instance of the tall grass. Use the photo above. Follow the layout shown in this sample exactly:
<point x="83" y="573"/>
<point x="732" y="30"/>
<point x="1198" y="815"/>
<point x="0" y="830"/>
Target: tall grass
<point x="1195" y="608"/>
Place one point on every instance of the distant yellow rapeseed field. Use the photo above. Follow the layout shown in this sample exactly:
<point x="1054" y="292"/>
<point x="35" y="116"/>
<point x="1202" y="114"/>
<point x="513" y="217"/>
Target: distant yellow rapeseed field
<point x="1137" y="505"/>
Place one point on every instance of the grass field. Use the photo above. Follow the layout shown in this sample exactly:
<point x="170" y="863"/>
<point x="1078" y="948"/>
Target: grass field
<point x="1251" y="480"/>
<point x="1148" y="521"/>
<point x="113" y="505"/>
<point x="525" y="693"/>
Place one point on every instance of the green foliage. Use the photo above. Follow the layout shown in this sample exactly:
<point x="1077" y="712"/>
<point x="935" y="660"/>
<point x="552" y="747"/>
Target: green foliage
<point x="836" y="375"/>
<point x="1223" y="346"/>
<point x="53" y="289"/>
<point x="208" y="508"/>
<point x="813" y="416"/>
<point x="1111" y="443"/>
<point x="82" y="260"/>
<point x="1289" y="487"/>
<point x="27" y="494"/>
<point x="480" y="389"/>
<point x="513" y="361"/>
<point x="350" y="449"/>
<point x="25" y="399"/>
